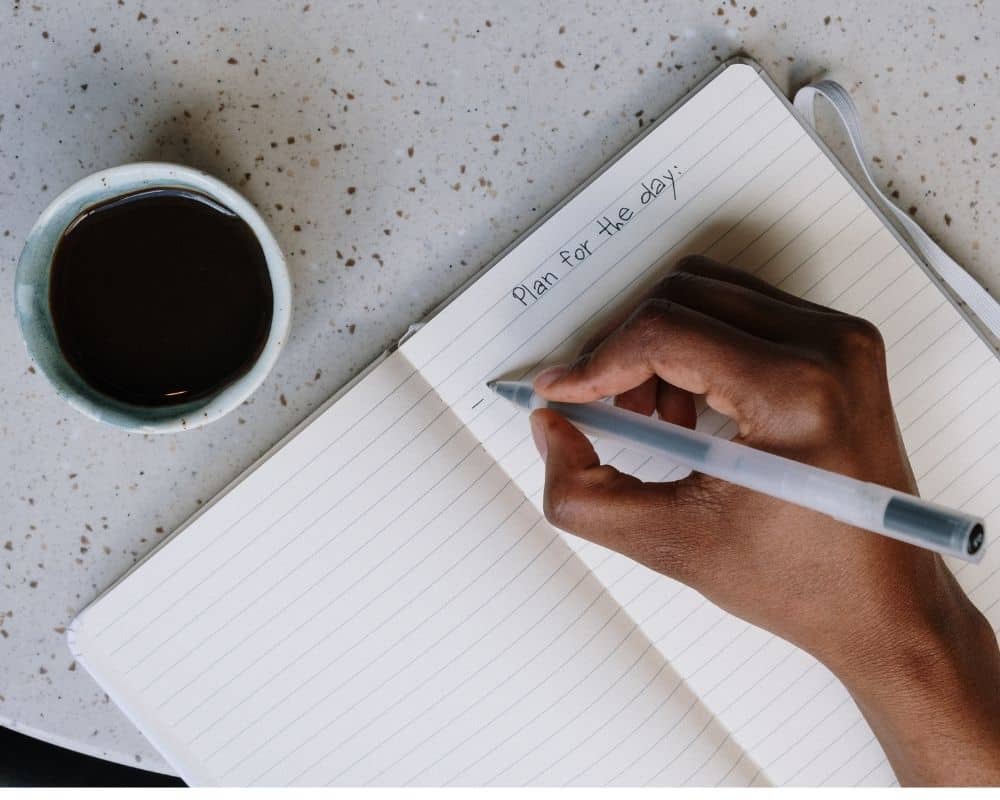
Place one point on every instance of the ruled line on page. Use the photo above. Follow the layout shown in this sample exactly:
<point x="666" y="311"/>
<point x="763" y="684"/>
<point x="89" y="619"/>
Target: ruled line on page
<point x="335" y="598"/>
<point x="344" y="653"/>
<point x="332" y="721"/>
<point x="387" y="710"/>
<point x="649" y="648"/>
<point x="469" y="708"/>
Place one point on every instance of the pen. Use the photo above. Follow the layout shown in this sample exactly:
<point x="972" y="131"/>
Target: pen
<point x="859" y="503"/>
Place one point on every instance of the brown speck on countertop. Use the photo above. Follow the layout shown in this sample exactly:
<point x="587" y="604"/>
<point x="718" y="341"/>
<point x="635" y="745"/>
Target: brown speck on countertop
<point x="317" y="375"/>
<point x="159" y="529"/>
<point x="960" y="78"/>
<point x="33" y="584"/>
<point x="232" y="60"/>
<point x="283" y="400"/>
<point x="97" y="47"/>
<point x="753" y="12"/>
<point x="290" y="140"/>
<point x="351" y="328"/>
<point x="911" y="210"/>
<point x="141" y="16"/>
<point x="352" y="189"/>
<point x="350" y="262"/>
<point x="559" y="64"/>
<point x="72" y="666"/>
<point x="974" y="140"/>
<point x="947" y="219"/>
<point x="45" y="34"/>
<point x="8" y="545"/>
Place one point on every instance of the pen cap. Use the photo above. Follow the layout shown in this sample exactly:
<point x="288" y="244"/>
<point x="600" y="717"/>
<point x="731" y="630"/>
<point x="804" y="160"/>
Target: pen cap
<point x="912" y="519"/>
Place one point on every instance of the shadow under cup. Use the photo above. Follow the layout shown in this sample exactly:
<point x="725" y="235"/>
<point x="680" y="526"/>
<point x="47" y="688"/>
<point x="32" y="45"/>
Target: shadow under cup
<point x="32" y="285"/>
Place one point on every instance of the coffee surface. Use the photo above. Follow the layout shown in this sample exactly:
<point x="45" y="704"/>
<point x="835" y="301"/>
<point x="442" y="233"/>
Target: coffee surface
<point x="160" y="297"/>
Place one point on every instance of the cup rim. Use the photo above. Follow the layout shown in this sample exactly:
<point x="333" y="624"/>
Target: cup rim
<point x="99" y="187"/>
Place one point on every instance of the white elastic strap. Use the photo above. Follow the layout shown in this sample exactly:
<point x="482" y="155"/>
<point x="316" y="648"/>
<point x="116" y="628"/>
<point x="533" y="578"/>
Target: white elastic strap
<point x="961" y="283"/>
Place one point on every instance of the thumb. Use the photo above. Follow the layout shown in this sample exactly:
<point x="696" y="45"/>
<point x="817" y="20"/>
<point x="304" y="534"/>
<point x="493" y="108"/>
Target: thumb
<point x="656" y="524"/>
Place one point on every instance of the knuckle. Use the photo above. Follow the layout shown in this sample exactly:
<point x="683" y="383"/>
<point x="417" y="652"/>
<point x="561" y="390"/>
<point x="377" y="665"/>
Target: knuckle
<point x="555" y="505"/>
<point x="676" y="282"/>
<point x="819" y="396"/>
<point x="561" y="503"/>
<point x="857" y="338"/>
<point x="690" y="264"/>
<point x="649" y="323"/>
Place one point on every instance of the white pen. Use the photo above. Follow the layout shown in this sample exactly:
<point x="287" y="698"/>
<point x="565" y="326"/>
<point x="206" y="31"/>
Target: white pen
<point x="864" y="505"/>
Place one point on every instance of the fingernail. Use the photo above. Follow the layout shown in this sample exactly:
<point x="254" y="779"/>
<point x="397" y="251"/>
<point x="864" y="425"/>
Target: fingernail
<point x="547" y="377"/>
<point x="538" y="434"/>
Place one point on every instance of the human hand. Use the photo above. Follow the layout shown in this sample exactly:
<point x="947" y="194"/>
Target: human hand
<point x="808" y="383"/>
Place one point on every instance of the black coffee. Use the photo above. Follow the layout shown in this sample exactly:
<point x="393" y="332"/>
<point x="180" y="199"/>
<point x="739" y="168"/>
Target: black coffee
<point x="160" y="297"/>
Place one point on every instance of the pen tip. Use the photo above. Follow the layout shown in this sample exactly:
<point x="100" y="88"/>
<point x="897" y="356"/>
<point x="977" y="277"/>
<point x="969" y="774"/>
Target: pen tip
<point x="491" y="385"/>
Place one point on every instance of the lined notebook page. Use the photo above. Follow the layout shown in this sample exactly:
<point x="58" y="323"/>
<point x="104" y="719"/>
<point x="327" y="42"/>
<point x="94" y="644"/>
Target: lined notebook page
<point x="756" y="191"/>
<point x="380" y="603"/>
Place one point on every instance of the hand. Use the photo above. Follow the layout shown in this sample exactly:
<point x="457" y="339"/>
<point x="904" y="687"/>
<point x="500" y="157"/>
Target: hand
<point x="808" y="383"/>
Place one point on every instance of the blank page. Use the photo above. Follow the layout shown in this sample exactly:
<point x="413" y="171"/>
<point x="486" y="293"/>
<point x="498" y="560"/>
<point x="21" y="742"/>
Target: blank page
<point x="753" y="189"/>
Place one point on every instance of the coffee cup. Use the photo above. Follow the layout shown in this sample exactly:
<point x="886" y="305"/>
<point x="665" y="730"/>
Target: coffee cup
<point x="33" y="284"/>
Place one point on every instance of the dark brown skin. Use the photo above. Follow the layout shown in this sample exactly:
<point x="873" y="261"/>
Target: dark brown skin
<point x="808" y="383"/>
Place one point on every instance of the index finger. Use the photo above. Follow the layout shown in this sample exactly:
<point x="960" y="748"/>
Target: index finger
<point x="683" y="347"/>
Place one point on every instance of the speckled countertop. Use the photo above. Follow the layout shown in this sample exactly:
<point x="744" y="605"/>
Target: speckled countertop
<point x="394" y="148"/>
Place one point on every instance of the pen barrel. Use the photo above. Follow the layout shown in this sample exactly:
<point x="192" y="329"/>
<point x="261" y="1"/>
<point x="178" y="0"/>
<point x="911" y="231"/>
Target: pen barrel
<point x="858" y="503"/>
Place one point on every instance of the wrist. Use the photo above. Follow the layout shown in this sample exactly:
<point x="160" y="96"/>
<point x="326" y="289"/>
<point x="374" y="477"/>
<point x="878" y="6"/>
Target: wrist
<point x="929" y="685"/>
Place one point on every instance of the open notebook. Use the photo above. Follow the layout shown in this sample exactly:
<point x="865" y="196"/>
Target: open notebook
<point x="380" y="601"/>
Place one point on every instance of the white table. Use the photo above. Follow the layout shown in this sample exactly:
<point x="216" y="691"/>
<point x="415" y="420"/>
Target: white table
<point x="394" y="151"/>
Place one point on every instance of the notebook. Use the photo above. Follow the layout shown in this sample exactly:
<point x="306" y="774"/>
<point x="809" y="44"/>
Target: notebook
<point x="380" y="600"/>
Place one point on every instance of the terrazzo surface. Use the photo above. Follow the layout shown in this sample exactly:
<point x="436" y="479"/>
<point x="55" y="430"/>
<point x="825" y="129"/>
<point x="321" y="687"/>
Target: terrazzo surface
<point x="394" y="148"/>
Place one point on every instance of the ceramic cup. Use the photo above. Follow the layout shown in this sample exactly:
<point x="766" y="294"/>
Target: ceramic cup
<point x="31" y="297"/>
